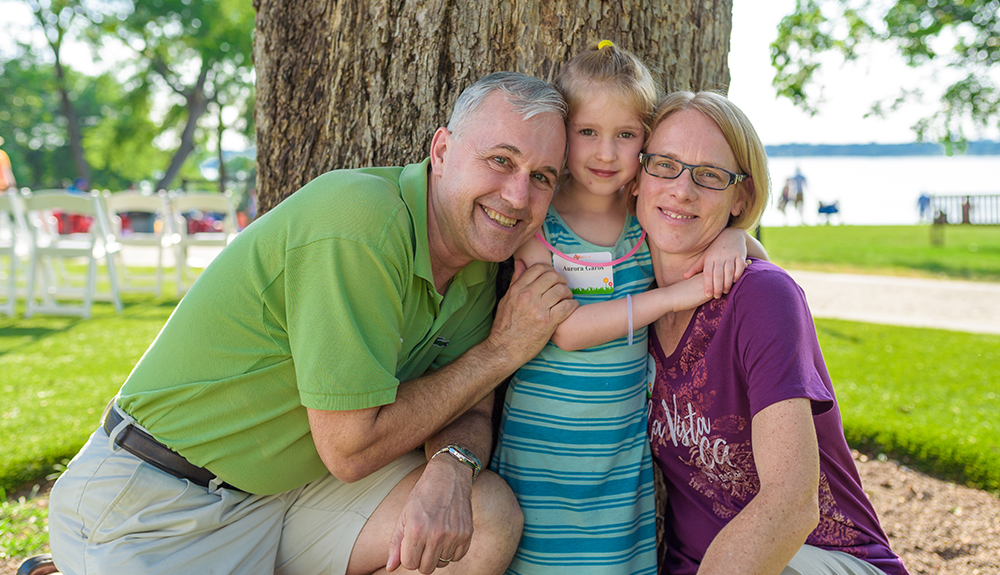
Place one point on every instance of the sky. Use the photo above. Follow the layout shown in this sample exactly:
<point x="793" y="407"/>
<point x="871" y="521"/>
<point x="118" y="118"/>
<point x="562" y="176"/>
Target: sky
<point x="849" y="90"/>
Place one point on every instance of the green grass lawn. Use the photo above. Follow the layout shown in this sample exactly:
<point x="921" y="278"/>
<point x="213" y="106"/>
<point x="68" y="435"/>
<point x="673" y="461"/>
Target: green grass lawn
<point x="968" y="252"/>
<point x="59" y="373"/>
<point x="924" y="396"/>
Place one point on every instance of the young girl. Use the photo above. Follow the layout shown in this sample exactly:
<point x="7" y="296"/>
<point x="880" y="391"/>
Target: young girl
<point x="572" y="442"/>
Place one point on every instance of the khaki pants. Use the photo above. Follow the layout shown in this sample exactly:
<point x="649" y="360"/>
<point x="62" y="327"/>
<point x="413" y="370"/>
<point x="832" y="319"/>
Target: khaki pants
<point x="112" y="513"/>
<point x="815" y="561"/>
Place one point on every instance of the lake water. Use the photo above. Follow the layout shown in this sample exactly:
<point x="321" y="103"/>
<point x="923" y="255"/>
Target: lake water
<point x="877" y="190"/>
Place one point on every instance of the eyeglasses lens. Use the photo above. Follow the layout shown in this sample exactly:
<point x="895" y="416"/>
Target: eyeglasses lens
<point x="705" y="176"/>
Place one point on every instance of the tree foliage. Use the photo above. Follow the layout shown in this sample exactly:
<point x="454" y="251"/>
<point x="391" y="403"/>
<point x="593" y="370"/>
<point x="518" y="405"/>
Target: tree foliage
<point x="115" y="128"/>
<point x="197" y="51"/>
<point x="960" y="35"/>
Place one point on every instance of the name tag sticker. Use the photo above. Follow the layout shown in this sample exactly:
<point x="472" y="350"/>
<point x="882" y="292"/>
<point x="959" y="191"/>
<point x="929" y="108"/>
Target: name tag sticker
<point x="584" y="279"/>
<point x="650" y="374"/>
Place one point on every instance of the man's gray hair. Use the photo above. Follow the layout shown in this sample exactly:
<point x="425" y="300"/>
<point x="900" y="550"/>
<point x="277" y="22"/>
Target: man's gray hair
<point x="528" y="96"/>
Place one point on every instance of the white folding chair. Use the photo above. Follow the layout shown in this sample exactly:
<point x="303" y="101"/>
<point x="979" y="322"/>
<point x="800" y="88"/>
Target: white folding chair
<point x="14" y="245"/>
<point x="197" y="224"/>
<point x="150" y="234"/>
<point x="45" y="289"/>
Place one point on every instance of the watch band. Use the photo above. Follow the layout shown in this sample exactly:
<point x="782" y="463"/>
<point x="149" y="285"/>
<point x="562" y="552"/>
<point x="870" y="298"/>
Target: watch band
<point x="463" y="455"/>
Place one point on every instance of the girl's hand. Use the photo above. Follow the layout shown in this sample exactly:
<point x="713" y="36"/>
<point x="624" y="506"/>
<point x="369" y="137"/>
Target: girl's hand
<point x="723" y="262"/>
<point x="688" y="294"/>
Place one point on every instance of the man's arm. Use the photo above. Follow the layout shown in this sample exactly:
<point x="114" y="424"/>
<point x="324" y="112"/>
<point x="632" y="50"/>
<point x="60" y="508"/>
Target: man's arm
<point x="353" y="444"/>
<point x="443" y="496"/>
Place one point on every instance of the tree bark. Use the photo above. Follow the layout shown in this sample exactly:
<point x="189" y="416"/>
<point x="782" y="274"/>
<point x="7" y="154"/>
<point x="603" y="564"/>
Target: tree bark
<point x="347" y="83"/>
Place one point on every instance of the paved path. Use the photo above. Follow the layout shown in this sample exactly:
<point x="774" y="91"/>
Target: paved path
<point x="944" y="304"/>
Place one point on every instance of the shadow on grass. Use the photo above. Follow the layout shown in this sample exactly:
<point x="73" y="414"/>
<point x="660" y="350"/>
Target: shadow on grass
<point x="31" y="335"/>
<point x="839" y="335"/>
<point x="921" y="459"/>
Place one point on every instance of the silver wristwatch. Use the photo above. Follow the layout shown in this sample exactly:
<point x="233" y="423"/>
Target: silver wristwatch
<point x="464" y="455"/>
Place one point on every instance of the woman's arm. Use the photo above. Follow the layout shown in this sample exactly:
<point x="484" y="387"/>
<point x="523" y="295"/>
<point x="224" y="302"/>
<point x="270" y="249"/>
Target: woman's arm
<point x="774" y="525"/>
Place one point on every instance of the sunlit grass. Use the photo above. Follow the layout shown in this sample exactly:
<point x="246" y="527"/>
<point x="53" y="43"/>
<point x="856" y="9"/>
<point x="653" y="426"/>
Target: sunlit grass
<point x="968" y="252"/>
<point x="927" y="397"/>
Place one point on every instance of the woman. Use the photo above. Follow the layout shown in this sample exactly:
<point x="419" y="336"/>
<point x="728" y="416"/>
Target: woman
<point x="743" y="418"/>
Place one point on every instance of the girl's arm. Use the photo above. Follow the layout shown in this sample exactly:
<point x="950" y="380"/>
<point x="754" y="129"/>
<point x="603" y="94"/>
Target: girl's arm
<point x="598" y="323"/>
<point x="725" y="260"/>
<point x="764" y="536"/>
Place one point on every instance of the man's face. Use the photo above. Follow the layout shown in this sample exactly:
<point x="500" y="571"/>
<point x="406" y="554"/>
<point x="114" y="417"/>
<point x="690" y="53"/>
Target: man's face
<point x="492" y="183"/>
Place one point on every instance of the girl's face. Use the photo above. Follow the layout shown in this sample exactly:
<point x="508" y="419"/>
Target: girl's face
<point x="605" y="138"/>
<point x="680" y="216"/>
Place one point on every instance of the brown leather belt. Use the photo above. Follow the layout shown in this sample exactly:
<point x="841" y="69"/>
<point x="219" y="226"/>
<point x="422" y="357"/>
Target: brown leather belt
<point x="142" y="445"/>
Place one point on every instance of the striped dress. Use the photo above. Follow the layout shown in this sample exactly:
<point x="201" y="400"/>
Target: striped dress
<point x="572" y="441"/>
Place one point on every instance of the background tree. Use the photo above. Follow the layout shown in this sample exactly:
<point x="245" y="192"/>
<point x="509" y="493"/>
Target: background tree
<point x="354" y="83"/>
<point x="114" y="128"/>
<point x="195" y="50"/>
<point x="57" y="18"/>
<point x="963" y="35"/>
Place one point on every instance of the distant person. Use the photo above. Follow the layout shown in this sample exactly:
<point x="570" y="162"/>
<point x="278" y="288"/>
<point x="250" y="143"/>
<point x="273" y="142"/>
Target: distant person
<point x="786" y="195"/>
<point x="76" y="223"/>
<point x="967" y="211"/>
<point x="79" y="186"/>
<point x="799" y="186"/>
<point x="6" y="171"/>
<point x="924" y="205"/>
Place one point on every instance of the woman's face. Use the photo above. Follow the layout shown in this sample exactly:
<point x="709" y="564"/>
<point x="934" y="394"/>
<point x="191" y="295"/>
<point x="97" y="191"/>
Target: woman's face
<point x="679" y="216"/>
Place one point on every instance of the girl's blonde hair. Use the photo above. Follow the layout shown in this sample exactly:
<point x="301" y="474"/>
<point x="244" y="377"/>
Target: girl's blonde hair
<point x="743" y="141"/>
<point x="606" y="66"/>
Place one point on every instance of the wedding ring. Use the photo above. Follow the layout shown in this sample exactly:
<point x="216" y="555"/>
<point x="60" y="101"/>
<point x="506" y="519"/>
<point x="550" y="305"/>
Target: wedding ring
<point x="444" y="560"/>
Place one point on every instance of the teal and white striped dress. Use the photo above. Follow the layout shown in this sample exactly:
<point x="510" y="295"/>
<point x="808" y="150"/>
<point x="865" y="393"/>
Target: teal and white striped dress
<point x="572" y="441"/>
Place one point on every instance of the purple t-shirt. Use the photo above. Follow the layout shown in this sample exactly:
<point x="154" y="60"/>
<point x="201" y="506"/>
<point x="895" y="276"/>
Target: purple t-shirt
<point x="739" y="354"/>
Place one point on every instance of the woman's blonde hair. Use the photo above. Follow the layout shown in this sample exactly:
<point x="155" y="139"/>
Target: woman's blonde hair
<point x="743" y="141"/>
<point x="606" y="66"/>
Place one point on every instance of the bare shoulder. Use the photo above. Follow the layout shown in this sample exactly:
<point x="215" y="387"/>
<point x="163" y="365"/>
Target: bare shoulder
<point x="533" y="252"/>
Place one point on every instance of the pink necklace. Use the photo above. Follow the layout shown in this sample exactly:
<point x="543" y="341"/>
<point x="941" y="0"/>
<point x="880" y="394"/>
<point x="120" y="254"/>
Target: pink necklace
<point x="591" y="264"/>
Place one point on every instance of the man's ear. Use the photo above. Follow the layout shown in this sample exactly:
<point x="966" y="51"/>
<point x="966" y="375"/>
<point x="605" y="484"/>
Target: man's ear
<point x="439" y="149"/>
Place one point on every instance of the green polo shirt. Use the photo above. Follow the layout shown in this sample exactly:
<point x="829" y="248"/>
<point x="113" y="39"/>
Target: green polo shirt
<point x="328" y="302"/>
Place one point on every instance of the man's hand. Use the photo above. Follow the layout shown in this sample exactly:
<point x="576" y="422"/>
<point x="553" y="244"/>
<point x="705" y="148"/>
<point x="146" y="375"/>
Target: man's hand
<point x="538" y="300"/>
<point x="435" y="525"/>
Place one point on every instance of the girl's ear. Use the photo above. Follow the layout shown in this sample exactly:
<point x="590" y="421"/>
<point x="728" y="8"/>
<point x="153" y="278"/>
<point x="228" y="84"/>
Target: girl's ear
<point x="631" y="195"/>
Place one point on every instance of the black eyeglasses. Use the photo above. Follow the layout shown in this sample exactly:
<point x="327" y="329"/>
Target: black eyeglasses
<point x="705" y="176"/>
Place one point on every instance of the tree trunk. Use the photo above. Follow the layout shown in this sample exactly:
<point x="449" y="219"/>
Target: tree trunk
<point x="346" y="83"/>
<point x="72" y="123"/>
<point x="343" y="84"/>
<point x="197" y="105"/>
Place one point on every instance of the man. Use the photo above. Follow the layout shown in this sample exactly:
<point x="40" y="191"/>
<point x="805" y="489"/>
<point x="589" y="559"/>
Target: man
<point x="339" y="332"/>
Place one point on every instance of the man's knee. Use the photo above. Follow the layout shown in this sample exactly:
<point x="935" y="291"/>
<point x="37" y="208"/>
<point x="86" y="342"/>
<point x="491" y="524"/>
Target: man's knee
<point x="495" y="508"/>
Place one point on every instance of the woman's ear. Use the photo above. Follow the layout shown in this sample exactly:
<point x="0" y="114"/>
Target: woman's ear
<point x="744" y="193"/>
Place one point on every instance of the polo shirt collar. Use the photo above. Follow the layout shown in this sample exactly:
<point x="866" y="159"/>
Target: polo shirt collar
<point x="413" y="189"/>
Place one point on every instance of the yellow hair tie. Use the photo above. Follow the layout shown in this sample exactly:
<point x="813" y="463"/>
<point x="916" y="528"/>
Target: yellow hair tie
<point x="605" y="44"/>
